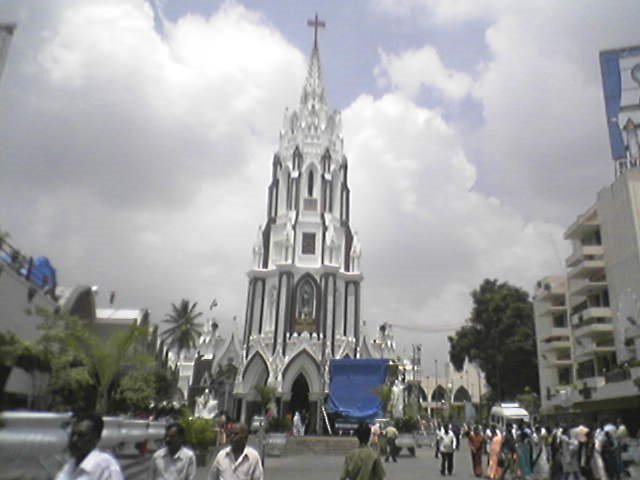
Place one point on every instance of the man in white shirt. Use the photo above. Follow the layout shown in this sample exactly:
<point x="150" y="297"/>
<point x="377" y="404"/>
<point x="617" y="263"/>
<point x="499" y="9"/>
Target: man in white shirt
<point x="447" y="447"/>
<point x="87" y="462"/>
<point x="237" y="462"/>
<point x="174" y="461"/>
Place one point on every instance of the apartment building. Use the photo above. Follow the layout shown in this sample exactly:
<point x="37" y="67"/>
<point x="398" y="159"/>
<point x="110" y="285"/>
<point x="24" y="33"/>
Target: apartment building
<point x="587" y="320"/>
<point x="553" y="337"/>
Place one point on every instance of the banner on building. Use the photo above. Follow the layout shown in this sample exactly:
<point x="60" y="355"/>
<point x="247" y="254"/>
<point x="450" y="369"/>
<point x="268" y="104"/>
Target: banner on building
<point x="354" y="389"/>
<point x="620" y="70"/>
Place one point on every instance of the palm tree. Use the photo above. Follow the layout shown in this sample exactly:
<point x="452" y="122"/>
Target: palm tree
<point x="184" y="332"/>
<point x="103" y="360"/>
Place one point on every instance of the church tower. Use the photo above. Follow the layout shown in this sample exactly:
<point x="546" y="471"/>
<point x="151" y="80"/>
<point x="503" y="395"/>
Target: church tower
<point x="303" y="300"/>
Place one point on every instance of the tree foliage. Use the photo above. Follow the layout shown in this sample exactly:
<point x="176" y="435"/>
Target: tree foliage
<point x="500" y="338"/>
<point x="184" y="330"/>
<point x="86" y="368"/>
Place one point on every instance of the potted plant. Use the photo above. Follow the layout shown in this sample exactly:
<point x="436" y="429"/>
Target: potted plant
<point x="201" y="436"/>
<point x="277" y="432"/>
<point x="407" y="428"/>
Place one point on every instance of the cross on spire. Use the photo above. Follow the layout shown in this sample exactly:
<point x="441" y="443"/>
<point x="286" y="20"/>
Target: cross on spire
<point x="316" y="23"/>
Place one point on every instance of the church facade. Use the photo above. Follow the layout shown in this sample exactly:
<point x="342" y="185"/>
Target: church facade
<point x="304" y="287"/>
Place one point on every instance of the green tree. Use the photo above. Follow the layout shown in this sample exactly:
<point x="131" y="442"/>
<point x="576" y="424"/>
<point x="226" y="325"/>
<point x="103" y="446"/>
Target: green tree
<point x="500" y="338"/>
<point x="184" y="330"/>
<point x="70" y="345"/>
<point x="10" y="348"/>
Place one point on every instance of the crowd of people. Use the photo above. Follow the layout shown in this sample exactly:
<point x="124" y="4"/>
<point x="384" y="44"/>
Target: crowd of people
<point x="175" y="461"/>
<point x="523" y="451"/>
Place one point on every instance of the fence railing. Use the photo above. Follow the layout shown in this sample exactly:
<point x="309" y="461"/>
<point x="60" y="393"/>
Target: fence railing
<point x="32" y="444"/>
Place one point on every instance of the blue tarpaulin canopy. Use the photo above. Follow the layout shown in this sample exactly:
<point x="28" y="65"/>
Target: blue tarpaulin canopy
<point x="354" y="387"/>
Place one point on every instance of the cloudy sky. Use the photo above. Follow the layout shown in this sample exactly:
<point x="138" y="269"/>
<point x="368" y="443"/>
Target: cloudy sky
<point x="136" y="140"/>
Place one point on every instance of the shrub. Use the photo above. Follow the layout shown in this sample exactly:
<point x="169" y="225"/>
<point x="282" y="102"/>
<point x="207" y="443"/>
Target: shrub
<point x="200" y="432"/>
<point x="407" y="424"/>
<point x="279" y="424"/>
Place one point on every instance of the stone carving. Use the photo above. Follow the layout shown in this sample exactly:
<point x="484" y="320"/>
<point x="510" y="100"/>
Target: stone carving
<point x="356" y="252"/>
<point x="258" y="249"/>
<point x="331" y="243"/>
<point x="397" y="400"/>
<point x="288" y="241"/>
<point x="206" y="405"/>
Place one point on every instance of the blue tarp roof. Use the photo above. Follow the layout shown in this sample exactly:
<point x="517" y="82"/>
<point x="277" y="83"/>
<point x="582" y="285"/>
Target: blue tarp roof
<point x="353" y="386"/>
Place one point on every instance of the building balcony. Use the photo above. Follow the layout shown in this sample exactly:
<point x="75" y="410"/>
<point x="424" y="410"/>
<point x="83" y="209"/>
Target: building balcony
<point x="584" y="252"/>
<point x="586" y="286"/>
<point x="556" y="342"/>
<point x="584" y="224"/>
<point x="548" y="308"/>
<point x="586" y="268"/>
<point x="593" y="329"/>
<point x="559" y="362"/>
<point x="548" y="291"/>
<point x="592" y="314"/>
<point x="590" y="350"/>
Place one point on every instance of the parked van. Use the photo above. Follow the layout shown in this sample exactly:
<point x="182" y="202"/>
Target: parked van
<point x="504" y="413"/>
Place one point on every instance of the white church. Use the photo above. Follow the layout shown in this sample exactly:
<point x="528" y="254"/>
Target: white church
<point x="304" y="292"/>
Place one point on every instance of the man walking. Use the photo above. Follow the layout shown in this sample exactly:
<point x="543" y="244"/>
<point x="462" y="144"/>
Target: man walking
<point x="238" y="461"/>
<point x="87" y="462"/>
<point x="391" y="434"/>
<point x="362" y="463"/>
<point x="174" y="461"/>
<point x="447" y="447"/>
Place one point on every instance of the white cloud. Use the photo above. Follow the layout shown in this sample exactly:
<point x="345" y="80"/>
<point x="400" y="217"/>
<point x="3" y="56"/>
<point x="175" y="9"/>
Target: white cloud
<point x="428" y="238"/>
<point x="412" y="69"/>
<point x="140" y="163"/>
<point x="542" y="147"/>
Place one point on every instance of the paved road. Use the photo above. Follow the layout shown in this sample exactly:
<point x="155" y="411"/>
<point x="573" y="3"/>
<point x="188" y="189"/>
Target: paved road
<point x="328" y="467"/>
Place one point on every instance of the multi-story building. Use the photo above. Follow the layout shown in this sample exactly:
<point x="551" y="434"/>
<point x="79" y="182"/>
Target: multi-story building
<point x="553" y="338"/>
<point x="592" y="361"/>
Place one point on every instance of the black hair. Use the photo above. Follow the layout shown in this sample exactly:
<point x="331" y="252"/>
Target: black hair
<point x="97" y="424"/>
<point x="177" y="426"/>
<point x="363" y="432"/>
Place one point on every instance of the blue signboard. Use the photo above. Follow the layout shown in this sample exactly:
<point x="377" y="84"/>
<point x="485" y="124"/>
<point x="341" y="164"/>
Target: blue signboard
<point x="621" y="86"/>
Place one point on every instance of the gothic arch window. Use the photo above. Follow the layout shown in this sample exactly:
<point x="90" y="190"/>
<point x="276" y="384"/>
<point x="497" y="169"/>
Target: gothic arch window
<point x="310" y="183"/>
<point x="439" y="394"/>
<point x="461" y="395"/>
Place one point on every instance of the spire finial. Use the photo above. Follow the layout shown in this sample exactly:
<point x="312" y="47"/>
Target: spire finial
<point x="316" y="23"/>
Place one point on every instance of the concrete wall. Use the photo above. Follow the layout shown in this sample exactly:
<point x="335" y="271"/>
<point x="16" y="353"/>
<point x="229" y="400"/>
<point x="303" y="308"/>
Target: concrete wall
<point x="16" y="313"/>
<point x="619" y="208"/>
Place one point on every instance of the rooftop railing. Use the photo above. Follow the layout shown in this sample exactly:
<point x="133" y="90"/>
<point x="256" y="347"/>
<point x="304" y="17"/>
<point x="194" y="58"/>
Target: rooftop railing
<point x="25" y="267"/>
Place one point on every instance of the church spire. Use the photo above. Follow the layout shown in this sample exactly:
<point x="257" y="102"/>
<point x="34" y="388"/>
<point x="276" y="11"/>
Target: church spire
<point x="313" y="90"/>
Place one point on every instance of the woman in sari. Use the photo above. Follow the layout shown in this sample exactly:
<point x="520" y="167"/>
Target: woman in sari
<point x="494" y="471"/>
<point x="476" y="446"/>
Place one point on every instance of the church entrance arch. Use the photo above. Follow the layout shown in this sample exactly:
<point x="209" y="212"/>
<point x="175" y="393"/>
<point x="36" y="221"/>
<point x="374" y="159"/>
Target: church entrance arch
<point x="302" y="387"/>
<point x="299" y="396"/>
<point x="256" y="373"/>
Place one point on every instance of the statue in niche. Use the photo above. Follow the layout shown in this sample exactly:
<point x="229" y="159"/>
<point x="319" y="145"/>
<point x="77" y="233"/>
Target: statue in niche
<point x="288" y="241"/>
<point x="306" y="301"/>
<point x="206" y="405"/>
<point x="330" y="241"/>
<point x="397" y="400"/>
<point x="272" y="305"/>
<point x="355" y="253"/>
<point x="258" y="249"/>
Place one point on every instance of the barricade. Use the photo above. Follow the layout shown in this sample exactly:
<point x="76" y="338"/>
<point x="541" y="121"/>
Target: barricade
<point x="32" y="444"/>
